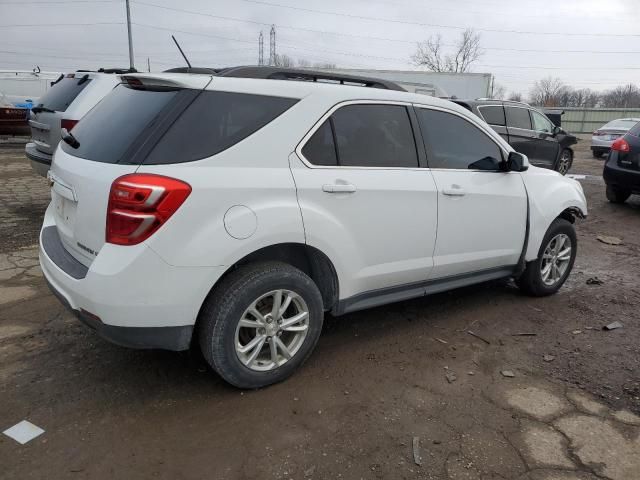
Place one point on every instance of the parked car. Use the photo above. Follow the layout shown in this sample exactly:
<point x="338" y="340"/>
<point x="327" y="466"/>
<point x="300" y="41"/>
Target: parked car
<point x="602" y="138"/>
<point x="231" y="213"/>
<point x="70" y="97"/>
<point x="13" y="120"/>
<point x="622" y="167"/>
<point x="528" y="131"/>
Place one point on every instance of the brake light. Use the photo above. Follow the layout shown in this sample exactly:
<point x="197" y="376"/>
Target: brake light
<point x="68" y="124"/>
<point x="139" y="204"/>
<point x="620" y="145"/>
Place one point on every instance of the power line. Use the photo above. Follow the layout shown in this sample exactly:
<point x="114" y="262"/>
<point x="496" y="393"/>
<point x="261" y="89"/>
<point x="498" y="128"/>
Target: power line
<point x="422" y="24"/>
<point x="367" y="37"/>
<point x="48" y="25"/>
<point x="55" y="2"/>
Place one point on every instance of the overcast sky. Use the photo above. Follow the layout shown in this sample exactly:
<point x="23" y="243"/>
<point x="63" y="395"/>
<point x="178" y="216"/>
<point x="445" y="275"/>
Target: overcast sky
<point x="587" y="43"/>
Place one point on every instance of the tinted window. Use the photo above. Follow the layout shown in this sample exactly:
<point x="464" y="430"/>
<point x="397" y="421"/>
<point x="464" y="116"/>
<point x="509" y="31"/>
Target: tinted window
<point x="320" y="149"/>
<point x="214" y="122"/>
<point x="374" y="136"/>
<point x="635" y="130"/>
<point x="493" y="115"/>
<point x="541" y="123"/>
<point x="111" y="127"/>
<point x="518" y="118"/>
<point x="63" y="93"/>
<point x="453" y="142"/>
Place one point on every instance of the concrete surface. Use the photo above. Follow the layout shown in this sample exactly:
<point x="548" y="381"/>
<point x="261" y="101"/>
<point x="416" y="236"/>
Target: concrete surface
<point x="376" y="380"/>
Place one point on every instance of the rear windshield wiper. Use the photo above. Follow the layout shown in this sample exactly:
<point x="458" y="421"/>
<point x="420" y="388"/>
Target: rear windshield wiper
<point x="69" y="139"/>
<point x="40" y="108"/>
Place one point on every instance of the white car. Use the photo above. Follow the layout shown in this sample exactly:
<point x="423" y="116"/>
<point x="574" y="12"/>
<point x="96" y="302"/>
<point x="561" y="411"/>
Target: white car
<point x="232" y="213"/>
<point x="68" y="99"/>
<point x="603" y="137"/>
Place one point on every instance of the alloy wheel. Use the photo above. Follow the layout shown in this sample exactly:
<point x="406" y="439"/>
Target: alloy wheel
<point x="564" y="163"/>
<point x="272" y="330"/>
<point x="555" y="259"/>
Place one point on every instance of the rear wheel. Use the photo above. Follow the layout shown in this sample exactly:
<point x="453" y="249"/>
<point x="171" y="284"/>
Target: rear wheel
<point x="617" y="194"/>
<point x="260" y="324"/>
<point x="565" y="161"/>
<point x="596" y="153"/>
<point x="545" y="275"/>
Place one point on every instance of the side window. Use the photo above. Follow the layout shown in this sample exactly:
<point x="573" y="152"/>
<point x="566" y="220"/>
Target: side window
<point x="493" y="115"/>
<point x="320" y="148"/>
<point x="374" y="136"/>
<point x="541" y="123"/>
<point x="453" y="142"/>
<point x="518" y="118"/>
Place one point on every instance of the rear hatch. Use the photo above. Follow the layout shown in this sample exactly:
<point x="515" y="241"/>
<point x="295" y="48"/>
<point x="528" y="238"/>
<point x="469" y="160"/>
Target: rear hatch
<point x="46" y="117"/>
<point x="113" y="139"/>
<point x="630" y="159"/>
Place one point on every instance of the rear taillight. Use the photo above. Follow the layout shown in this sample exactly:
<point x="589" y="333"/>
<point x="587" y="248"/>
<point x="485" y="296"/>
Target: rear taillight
<point x="139" y="204"/>
<point x="620" y="145"/>
<point x="68" y="124"/>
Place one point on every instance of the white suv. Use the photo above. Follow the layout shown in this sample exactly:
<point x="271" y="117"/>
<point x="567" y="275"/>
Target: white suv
<point x="232" y="213"/>
<point x="68" y="99"/>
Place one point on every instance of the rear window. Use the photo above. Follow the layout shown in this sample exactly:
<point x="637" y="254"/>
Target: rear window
<point x="635" y="130"/>
<point x="63" y="93"/>
<point x="109" y="130"/>
<point x="622" y="124"/>
<point x="170" y="126"/>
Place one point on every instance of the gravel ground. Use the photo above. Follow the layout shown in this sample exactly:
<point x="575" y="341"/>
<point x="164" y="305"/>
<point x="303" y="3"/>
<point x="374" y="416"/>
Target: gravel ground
<point x="375" y="386"/>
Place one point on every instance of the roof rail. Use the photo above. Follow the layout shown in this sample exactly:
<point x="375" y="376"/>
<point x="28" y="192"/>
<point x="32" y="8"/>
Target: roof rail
<point x="484" y="99"/>
<point x="119" y="71"/>
<point x="278" y="73"/>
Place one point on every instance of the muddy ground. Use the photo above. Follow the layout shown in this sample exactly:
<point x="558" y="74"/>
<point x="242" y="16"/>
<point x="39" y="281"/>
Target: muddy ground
<point x="376" y="381"/>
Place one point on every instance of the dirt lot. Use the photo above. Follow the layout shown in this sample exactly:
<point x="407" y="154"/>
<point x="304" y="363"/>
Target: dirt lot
<point x="376" y="382"/>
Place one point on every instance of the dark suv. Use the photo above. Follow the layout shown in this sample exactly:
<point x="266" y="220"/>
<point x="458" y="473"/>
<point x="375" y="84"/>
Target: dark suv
<point x="528" y="131"/>
<point x="622" y="168"/>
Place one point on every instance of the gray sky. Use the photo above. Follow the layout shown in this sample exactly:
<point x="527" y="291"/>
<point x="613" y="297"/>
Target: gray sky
<point x="587" y="43"/>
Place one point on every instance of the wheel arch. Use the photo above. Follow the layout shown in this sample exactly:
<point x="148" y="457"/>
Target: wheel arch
<point x="313" y="262"/>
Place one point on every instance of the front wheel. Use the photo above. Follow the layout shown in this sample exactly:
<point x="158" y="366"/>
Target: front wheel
<point x="564" y="162"/>
<point x="545" y="275"/>
<point x="260" y="324"/>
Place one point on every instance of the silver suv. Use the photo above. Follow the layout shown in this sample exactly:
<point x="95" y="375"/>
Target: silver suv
<point x="70" y="97"/>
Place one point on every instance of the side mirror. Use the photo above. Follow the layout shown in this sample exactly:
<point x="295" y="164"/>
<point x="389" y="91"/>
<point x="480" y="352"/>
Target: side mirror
<point x="517" y="162"/>
<point x="557" y="130"/>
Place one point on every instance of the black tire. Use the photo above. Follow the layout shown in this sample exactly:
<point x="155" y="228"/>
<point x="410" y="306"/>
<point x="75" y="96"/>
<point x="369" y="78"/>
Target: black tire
<point x="531" y="281"/>
<point x="565" y="161"/>
<point x="617" y="194"/>
<point x="596" y="153"/>
<point x="225" y="306"/>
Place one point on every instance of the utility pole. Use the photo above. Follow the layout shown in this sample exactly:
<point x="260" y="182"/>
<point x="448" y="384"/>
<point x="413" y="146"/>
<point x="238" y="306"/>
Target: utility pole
<point x="272" y="46"/>
<point x="148" y="65"/>
<point x="129" y="34"/>
<point x="261" y="49"/>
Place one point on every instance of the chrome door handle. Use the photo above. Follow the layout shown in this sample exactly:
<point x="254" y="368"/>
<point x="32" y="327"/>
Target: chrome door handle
<point x="339" y="188"/>
<point x="454" y="191"/>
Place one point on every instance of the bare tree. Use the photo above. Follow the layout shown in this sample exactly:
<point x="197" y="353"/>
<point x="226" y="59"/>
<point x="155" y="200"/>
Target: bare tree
<point x="283" y="60"/>
<point x="627" y="96"/>
<point x="431" y="54"/>
<point x="515" y="97"/>
<point x="303" y="63"/>
<point x="324" y="65"/>
<point x="498" y="92"/>
<point x="548" y="92"/>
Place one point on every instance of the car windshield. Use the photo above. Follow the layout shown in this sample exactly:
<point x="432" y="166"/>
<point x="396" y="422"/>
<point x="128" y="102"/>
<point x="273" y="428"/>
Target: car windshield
<point x="61" y="94"/>
<point x="622" y="124"/>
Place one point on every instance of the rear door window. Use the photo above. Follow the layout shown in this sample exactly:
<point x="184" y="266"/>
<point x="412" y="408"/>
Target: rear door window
<point x="493" y="114"/>
<point x="518" y="118"/>
<point x="63" y="93"/>
<point x="374" y="136"/>
<point x="320" y="149"/>
<point x="214" y="122"/>
<point x="453" y="142"/>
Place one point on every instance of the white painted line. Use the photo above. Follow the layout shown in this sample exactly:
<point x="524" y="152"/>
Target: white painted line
<point x="23" y="432"/>
<point x="577" y="177"/>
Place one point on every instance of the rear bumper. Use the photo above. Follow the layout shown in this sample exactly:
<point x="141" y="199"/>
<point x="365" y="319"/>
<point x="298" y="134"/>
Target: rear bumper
<point x="129" y="295"/>
<point x="40" y="161"/>
<point x="596" y="143"/>
<point x="621" y="177"/>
